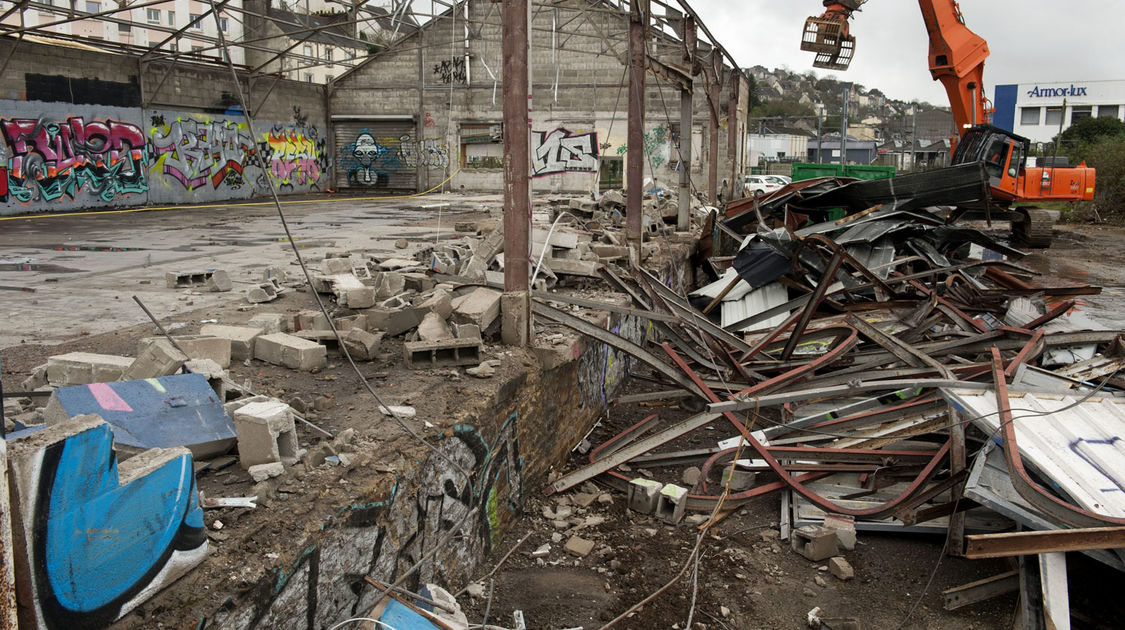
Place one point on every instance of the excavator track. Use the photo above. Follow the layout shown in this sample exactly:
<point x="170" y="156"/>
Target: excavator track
<point x="1033" y="227"/>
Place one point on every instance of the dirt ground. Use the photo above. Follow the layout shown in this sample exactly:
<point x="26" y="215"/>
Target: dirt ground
<point x="747" y="578"/>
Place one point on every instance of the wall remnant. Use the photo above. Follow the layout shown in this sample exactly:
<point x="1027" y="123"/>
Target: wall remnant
<point x="94" y="539"/>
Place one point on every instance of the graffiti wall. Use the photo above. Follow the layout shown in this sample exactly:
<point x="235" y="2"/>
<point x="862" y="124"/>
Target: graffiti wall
<point x="560" y="151"/>
<point x="436" y="506"/>
<point x="386" y="155"/>
<point x="61" y="157"/>
<point x="90" y="548"/>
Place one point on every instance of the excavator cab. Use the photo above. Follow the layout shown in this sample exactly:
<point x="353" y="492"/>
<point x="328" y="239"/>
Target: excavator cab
<point x="1001" y="152"/>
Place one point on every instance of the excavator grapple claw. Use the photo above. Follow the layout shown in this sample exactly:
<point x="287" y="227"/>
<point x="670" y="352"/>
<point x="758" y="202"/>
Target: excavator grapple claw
<point x="829" y="39"/>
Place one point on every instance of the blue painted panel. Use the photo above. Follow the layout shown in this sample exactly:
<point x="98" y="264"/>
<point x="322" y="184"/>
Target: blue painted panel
<point x="1005" y="104"/>
<point x="401" y="617"/>
<point x="177" y="410"/>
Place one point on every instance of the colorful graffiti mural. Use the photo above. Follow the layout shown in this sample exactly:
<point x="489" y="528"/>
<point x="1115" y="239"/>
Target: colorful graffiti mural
<point x="361" y="158"/>
<point x="560" y="151"/>
<point x="198" y="153"/>
<point x="95" y="547"/>
<point x="602" y="370"/>
<point x="296" y="156"/>
<point x="48" y="160"/>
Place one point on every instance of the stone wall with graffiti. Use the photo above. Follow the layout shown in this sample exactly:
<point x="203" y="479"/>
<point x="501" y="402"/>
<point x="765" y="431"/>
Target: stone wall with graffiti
<point x="386" y="155"/>
<point x="62" y="157"/>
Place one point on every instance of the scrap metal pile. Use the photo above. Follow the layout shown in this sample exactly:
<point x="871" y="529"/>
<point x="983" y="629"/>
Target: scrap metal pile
<point x="886" y="366"/>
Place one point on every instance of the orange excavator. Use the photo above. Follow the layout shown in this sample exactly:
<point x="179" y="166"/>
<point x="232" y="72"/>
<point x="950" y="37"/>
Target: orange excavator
<point x="957" y="57"/>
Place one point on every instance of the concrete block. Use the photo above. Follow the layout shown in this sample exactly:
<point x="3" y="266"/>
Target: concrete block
<point x="308" y="320"/>
<point x="480" y="307"/>
<point x="742" y="479"/>
<point x="814" y="542"/>
<point x="393" y="321"/>
<point x="390" y="283"/>
<point x="241" y="338"/>
<point x="563" y="266"/>
<point x="483" y="254"/>
<point x="334" y="266"/>
<point x="189" y="279"/>
<point x="83" y="368"/>
<point x="159" y="358"/>
<point x="644" y="495"/>
<point x="416" y="281"/>
<point x="670" y="503"/>
<point x="351" y="322"/>
<point x="37" y="379"/>
<point x="440" y="302"/>
<point x="447" y="353"/>
<point x="268" y="323"/>
<point x="844" y="526"/>
<point x="362" y="345"/>
<point x="433" y="328"/>
<point x="218" y="282"/>
<point x="291" y="352"/>
<point x="264" y="292"/>
<point x="266" y="433"/>
<point x="466" y="331"/>
<point x="841" y="568"/>
<point x="275" y="274"/>
<point x="578" y="546"/>
<point x="137" y="507"/>
<point x="351" y="292"/>
<point x="216" y="349"/>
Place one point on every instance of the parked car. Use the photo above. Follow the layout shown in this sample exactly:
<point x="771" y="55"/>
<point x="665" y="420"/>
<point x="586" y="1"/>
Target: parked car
<point x="784" y="180"/>
<point x="763" y="184"/>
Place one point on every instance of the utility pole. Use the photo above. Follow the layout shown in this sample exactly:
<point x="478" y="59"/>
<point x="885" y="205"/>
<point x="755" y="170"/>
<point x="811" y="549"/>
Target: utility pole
<point x="844" y="127"/>
<point x="683" y="215"/>
<point x="634" y="203"/>
<point x="516" y="301"/>
<point x="913" y="137"/>
<point x="819" y="136"/>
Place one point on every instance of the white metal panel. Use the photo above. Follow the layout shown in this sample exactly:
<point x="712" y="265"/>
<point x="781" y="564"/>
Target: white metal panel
<point x="1074" y="442"/>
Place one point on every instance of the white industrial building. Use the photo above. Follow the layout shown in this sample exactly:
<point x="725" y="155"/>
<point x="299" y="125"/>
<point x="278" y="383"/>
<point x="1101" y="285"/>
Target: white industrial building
<point x="1038" y="110"/>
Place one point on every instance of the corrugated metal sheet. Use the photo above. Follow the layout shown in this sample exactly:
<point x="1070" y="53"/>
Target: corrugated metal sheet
<point x="756" y="301"/>
<point x="1076" y="443"/>
<point x="370" y="155"/>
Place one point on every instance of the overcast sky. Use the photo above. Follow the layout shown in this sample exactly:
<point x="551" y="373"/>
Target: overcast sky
<point x="1029" y="40"/>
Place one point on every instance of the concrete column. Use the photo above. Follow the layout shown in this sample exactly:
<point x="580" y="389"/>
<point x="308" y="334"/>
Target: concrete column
<point x="733" y="135"/>
<point x="634" y="203"/>
<point x="713" y="150"/>
<point x="516" y="302"/>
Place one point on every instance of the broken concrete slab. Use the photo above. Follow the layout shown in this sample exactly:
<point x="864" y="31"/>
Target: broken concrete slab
<point x="578" y="546"/>
<point x="262" y="472"/>
<point x="841" y="568"/>
<point x="480" y="306"/>
<point x="440" y="302"/>
<point x="264" y="292"/>
<point x="164" y="412"/>
<point x="290" y="351"/>
<point x="433" y="328"/>
<point x="83" y="368"/>
<point x="389" y="284"/>
<point x="394" y="321"/>
<point x="483" y="254"/>
<point x="266" y="433"/>
<point x="587" y="268"/>
<point x="308" y="320"/>
<point x="218" y="282"/>
<point x="216" y="349"/>
<point x="334" y="266"/>
<point x="352" y="321"/>
<point x="241" y="338"/>
<point x="149" y="503"/>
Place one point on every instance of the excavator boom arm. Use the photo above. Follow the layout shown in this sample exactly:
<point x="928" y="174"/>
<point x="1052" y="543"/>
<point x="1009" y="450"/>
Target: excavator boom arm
<point x="957" y="57"/>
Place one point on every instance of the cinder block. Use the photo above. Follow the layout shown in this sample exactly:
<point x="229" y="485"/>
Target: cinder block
<point x="350" y="322"/>
<point x="188" y="279"/>
<point x="159" y="358"/>
<point x="308" y="320"/>
<point x="268" y="323"/>
<point x="390" y="283"/>
<point x="480" y="307"/>
<point x="844" y="526"/>
<point x="351" y="292"/>
<point x="447" y="353"/>
<point x="814" y="542"/>
<point x="362" y="345"/>
<point x="290" y="351"/>
<point x="644" y="495"/>
<point x="241" y="338"/>
<point x="266" y="433"/>
<point x="218" y="282"/>
<point x="83" y="368"/>
<point x="216" y="349"/>
<point x="419" y="282"/>
<point x="264" y="292"/>
<point x="670" y="503"/>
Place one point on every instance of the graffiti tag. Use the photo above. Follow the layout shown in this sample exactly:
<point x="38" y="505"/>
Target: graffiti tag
<point x="196" y="153"/>
<point x="430" y="152"/>
<point x="560" y="151"/>
<point x="451" y="71"/>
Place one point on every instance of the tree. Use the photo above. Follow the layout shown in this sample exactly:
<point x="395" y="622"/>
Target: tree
<point x="1091" y="130"/>
<point x="1107" y="155"/>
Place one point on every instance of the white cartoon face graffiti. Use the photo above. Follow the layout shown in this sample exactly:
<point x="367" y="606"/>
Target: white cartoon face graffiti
<point x="366" y="151"/>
